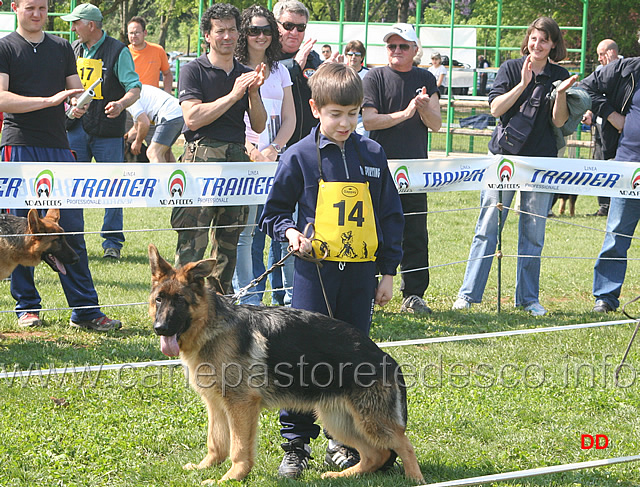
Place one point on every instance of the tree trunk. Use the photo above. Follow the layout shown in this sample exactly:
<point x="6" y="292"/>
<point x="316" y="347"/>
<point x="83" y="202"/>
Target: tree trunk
<point x="403" y="10"/>
<point x="165" y="20"/>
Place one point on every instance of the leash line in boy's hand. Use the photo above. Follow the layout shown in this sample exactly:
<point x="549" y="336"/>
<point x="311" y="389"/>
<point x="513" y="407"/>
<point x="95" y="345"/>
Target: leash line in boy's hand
<point x="309" y="233"/>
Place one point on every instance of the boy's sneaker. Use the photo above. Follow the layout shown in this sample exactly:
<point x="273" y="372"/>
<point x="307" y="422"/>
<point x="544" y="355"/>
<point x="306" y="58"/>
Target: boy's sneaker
<point x="602" y="307"/>
<point x="99" y="324"/>
<point x="29" y="319"/>
<point x="461" y="304"/>
<point x="296" y="458"/>
<point x="536" y="309"/>
<point x="341" y="456"/>
<point x="415" y="304"/>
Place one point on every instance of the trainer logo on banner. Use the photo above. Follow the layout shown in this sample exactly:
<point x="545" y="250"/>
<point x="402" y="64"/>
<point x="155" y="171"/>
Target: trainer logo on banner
<point x="506" y="172"/>
<point x="635" y="180"/>
<point x="634" y="184"/>
<point x="176" y="188"/>
<point x="401" y="177"/>
<point x="43" y="189"/>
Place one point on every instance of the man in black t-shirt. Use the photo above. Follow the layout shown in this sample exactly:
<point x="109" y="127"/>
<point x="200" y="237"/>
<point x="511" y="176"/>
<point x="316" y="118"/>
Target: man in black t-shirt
<point x="37" y="74"/>
<point x="401" y="104"/>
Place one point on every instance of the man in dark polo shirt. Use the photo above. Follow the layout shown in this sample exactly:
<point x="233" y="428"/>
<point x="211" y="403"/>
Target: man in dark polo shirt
<point x="215" y="91"/>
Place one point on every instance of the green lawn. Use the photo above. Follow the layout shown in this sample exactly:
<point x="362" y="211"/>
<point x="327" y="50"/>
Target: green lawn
<point x="476" y="407"/>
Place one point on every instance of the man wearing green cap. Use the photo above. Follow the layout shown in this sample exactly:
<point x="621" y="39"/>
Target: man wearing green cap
<point x="99" y="134"/>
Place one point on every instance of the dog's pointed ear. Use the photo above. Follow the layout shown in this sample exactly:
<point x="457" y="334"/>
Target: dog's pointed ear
<point x="160" y="268"/>
<point x="53" y="214"/>
<point x="200" y="270"/>
<point x="33" y="220"/>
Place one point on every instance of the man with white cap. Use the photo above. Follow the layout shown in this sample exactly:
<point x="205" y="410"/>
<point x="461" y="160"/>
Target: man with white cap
<point x="100" y="133"/>
<point x="401" y="104"/>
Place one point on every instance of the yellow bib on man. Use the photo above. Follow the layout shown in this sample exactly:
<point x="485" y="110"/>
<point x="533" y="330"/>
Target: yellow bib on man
<point x="90" y="71"/>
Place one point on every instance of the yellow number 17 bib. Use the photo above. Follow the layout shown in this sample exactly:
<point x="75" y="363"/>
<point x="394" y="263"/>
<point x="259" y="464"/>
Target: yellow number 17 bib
<point x="345" y="225"/>
<point x="90" y="71"/>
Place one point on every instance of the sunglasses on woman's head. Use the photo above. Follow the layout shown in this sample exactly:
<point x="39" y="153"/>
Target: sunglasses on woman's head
<point x="256" y="30"/>
<point x="289" y="26"/>
<point x="403" y="47"/>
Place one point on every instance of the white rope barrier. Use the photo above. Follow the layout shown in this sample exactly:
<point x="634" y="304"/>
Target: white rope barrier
<point x="401" y="343"/>
<point x="533" y="472"/>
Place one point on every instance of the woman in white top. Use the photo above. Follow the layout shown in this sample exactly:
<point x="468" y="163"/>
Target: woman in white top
<point x="259" y="42"/>
<point x="439" y="71"/>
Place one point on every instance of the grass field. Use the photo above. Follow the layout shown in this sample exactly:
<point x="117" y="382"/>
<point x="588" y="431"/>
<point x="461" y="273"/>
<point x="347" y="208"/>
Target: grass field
<point x="476" y="407"/>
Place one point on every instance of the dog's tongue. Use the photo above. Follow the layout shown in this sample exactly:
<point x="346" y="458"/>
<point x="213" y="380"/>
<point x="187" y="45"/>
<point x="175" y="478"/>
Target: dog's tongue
<point x="59" y="265"/>
<point x="169" y="345"/>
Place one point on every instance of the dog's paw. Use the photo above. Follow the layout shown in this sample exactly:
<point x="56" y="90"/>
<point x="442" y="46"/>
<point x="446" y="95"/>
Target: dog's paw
<point x="191" y="466"/>
<point x="209" y="482"/>
<point x="330" y="475"/>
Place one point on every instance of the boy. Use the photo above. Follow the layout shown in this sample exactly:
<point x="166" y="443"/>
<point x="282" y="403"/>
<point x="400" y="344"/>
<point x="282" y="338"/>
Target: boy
<point x="341" y="183"/>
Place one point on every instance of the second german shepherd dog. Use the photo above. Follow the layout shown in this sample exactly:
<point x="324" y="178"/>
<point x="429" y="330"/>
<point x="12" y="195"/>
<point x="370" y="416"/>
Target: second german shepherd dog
<point x="27" y="249"/>
<point x="243" y="358"/>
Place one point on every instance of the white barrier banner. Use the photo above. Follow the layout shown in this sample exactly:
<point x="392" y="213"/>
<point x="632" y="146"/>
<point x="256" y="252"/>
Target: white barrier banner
<point x="573" y="176"/>
<point x="433" y="175"/>
<point x="84" y="185"/>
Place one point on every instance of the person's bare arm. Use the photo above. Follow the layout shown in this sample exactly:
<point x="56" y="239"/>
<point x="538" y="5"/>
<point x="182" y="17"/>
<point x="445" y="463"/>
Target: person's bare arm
<point x="198" y="114"/>
<point x="501" y="104"/>
<point x="115" y="108"/>
<point x="429" y="109"/>
<point x="141" y="125"/>
<point x="379" y="121"/>
<point x="167" y="81"/>
<point x="14" y="103"/>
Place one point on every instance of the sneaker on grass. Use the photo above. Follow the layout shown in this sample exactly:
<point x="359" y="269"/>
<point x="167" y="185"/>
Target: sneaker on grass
<point x="29" y="319"/>
<point x="296" y="458"/>
<point x="461" y="303"/>
<point x="99" y="324"/>
<point x="415" y="304"/>
<point x="536" y="309"/>
<point x="341" y="456"/>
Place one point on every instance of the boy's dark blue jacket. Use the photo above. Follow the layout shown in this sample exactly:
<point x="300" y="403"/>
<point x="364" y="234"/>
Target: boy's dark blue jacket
<point x="296" y="182"/>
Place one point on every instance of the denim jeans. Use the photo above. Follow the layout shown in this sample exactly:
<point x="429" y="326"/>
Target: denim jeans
<point x="608" y="275"/>
<point x="244" y="274"/>
<point x="530" y="242"/>
<point x="102" y="149"/>
<point x="250" y="264"/>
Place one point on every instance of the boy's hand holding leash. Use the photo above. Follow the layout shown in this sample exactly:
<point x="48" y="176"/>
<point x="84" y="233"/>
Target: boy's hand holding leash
<point x="297" y="241"/>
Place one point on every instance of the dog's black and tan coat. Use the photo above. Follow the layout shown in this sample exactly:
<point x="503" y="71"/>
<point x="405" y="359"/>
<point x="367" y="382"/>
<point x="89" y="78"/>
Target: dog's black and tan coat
<point x="21" y="244"/>
<point x="243" y="358"/>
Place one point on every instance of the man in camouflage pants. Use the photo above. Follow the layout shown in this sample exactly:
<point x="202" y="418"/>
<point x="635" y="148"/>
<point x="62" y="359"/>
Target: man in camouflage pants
<point x="215" y="92"/>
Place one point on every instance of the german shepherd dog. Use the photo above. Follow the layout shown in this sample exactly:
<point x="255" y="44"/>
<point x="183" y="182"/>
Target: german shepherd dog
<point x="243" y="358"/>
<point x="28" y="249"/>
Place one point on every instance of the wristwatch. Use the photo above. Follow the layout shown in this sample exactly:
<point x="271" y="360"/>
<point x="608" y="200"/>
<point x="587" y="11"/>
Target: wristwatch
<point x="277" y="147"/>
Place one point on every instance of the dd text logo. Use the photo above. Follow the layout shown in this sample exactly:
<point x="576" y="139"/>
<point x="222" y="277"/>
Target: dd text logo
<point x="588" y="441"/>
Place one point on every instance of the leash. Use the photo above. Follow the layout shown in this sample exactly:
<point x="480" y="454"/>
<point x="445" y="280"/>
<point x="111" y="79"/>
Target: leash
<point x="309" y="232"/>
<point x="633" y="337"/>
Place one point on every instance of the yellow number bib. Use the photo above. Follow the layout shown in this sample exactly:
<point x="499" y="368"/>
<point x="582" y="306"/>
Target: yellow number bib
<point x="345" y="224"/>
<point x="90" y="71"/>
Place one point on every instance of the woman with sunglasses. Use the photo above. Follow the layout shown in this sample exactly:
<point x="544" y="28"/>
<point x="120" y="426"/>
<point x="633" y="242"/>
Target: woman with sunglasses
<point x="354" y="53"/>
<point x="259" y="43"/>
<point x="518" y="81"/>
